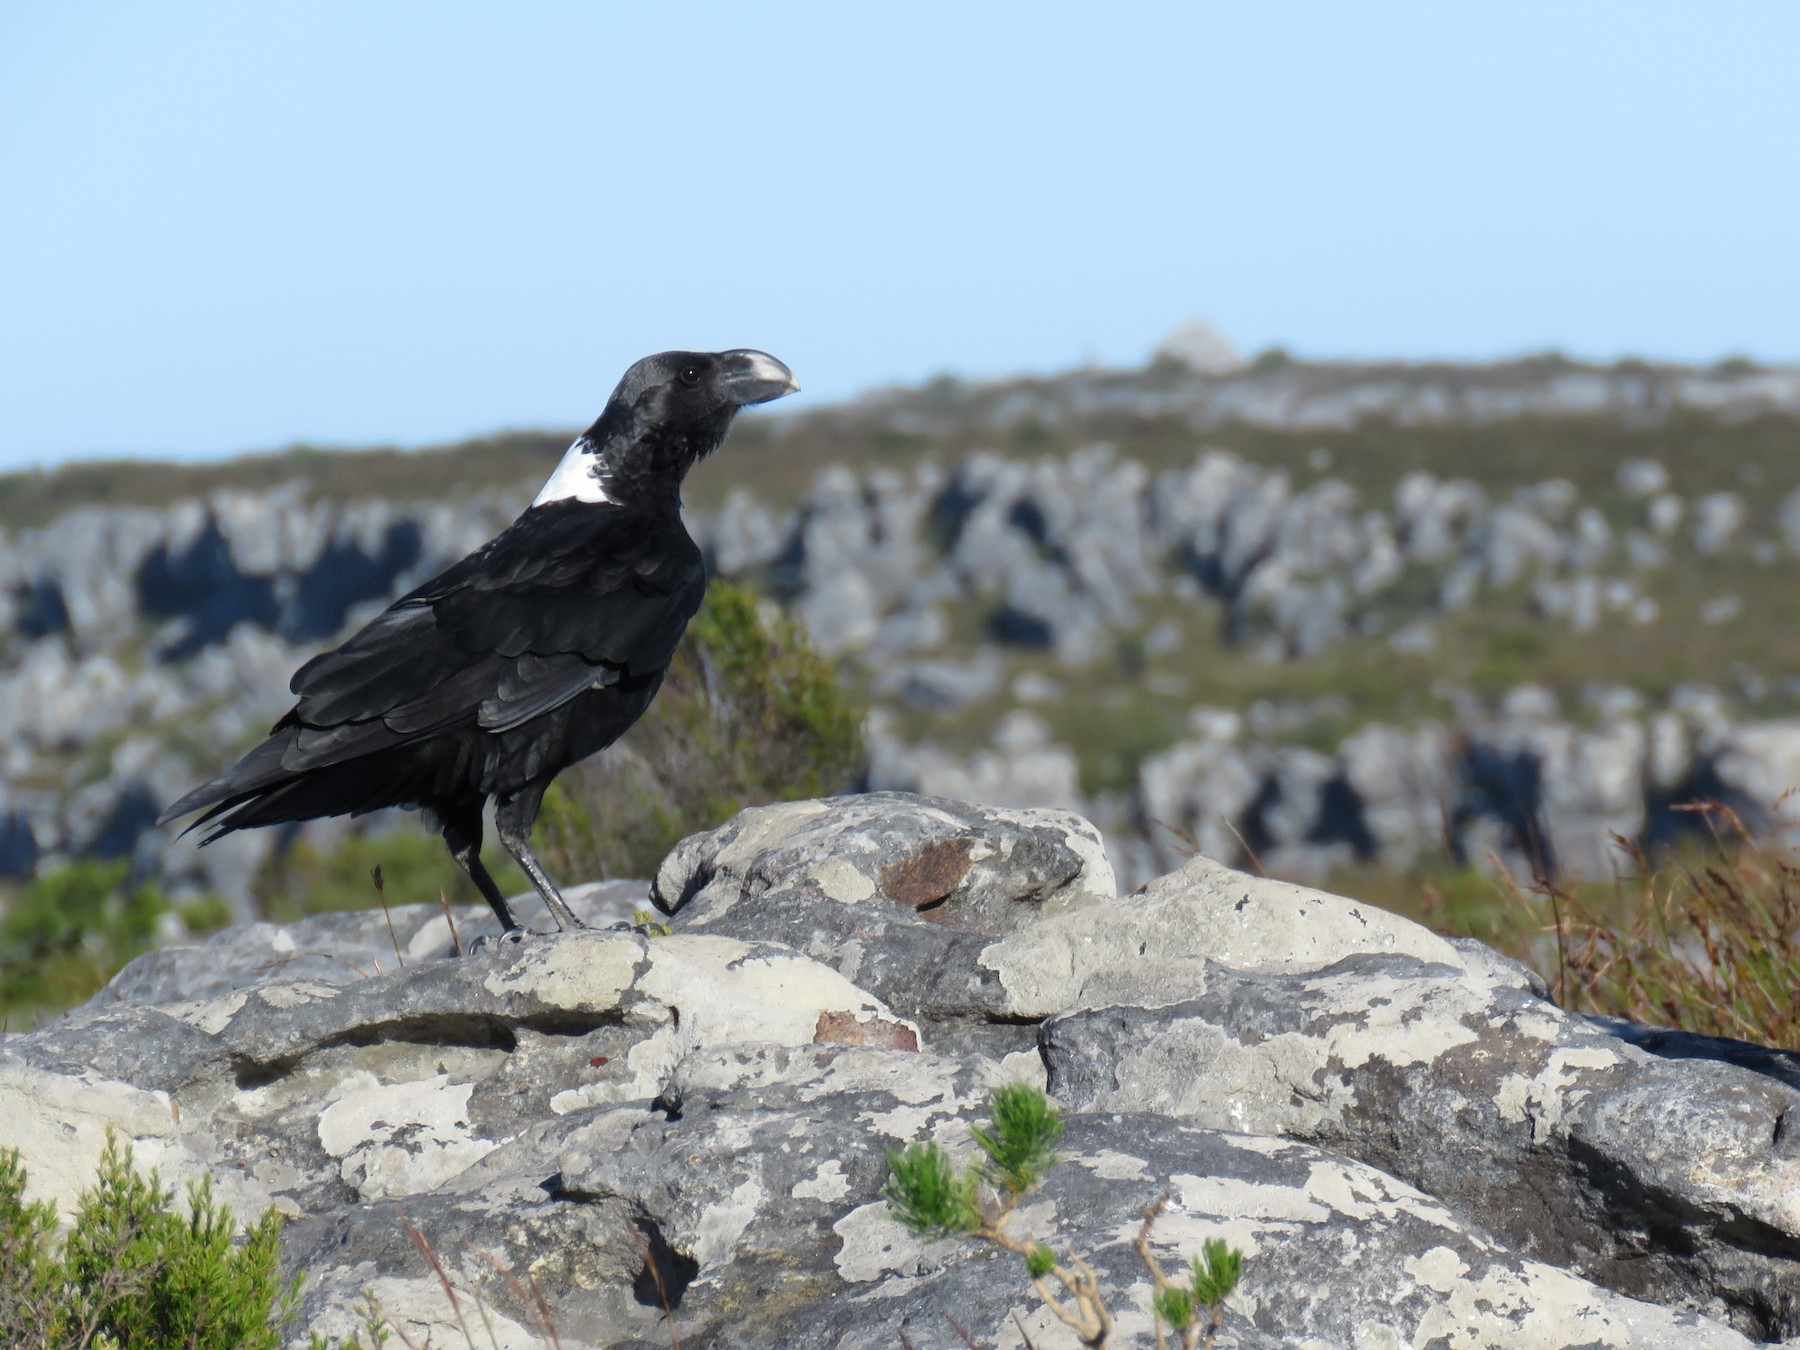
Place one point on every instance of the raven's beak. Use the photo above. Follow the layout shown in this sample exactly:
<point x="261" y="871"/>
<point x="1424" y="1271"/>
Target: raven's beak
<point x="756" y="377"/>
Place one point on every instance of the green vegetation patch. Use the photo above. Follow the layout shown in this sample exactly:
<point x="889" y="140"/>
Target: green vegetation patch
<point x="132" y="1273"/>
<point x="63" y="936"/>
<point x="749" y="714"/>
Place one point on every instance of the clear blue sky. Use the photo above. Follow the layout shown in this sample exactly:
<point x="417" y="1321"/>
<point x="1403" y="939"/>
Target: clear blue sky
<point x="235" y="226"/>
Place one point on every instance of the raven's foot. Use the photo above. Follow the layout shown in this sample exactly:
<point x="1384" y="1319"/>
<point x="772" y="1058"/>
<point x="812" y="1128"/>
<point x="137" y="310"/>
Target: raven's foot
<point x="644" y="924"/>
<point x="489" y="942"/>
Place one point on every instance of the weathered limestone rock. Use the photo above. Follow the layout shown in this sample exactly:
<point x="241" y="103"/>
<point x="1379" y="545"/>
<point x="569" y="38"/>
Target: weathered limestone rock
<point x="803" y="1200"/>
<point x="898" y="893"/>
<point x="1672" y="1178"/>
<point x="1325" y="1020"/>
<point x="1410" y="1144"/>
<point x="346" y="947"/>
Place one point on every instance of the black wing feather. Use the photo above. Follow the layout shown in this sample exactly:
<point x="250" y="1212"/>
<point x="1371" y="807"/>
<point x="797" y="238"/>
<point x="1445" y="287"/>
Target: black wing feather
<point x="553" y="681"/>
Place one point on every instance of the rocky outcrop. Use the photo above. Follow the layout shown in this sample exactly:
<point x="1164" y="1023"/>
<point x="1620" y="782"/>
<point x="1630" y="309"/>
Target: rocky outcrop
<point x="1409" y="1142"/>
<point x="1546" y="789"/>
<point x="140" y="646"/>
<point x="1289" y="395"/>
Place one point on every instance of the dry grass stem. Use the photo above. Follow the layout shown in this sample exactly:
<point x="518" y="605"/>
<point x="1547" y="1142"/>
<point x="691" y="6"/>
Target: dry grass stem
<point x="449" y="918"/>
<point x="662" y="1291"/>
<point x="431" y="1259"/>
<point x="381" y="894"/>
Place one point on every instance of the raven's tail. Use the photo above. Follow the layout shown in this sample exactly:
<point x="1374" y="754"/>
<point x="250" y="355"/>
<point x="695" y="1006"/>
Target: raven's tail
<point x="258" y="790"/>
<point x="258" y="771"/>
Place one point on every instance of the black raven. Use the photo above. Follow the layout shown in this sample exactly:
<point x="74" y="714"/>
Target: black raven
<point x="533" y="652"/>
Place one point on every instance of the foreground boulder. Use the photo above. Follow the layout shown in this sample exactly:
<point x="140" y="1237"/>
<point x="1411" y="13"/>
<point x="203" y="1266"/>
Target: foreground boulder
<point x="1410" y="1144"/>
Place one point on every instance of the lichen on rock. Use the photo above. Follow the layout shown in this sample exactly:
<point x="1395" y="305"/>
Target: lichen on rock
<point x="1409" y="1142"/>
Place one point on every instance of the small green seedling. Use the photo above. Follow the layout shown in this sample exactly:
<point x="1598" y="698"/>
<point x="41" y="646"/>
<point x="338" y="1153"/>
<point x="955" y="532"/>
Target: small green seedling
<point x="935" y="1200"/>
<point x="133" y="1273"/>
<point x="1213" y="1275"/>
<point x="1022" y="1145"/>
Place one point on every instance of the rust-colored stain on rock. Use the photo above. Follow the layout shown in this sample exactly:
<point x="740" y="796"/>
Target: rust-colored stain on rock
<point x="877" y="1033"/>
<point x="923" y="881"/>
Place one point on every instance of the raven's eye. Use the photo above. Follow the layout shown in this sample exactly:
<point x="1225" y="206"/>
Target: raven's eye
<point x="690" y="376"/>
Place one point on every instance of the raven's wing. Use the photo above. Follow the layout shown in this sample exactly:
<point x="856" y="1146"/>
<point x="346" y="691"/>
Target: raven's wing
<point x="570" y="597"/>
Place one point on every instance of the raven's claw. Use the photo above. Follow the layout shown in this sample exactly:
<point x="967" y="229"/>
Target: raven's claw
<point x="487" y="942"/>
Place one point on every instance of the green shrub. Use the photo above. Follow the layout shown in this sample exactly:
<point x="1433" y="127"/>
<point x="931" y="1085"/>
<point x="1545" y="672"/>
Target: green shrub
<point x="132" y="1274"/>
<point x="67" y="933"/>
<point x="934" y="1200"/>
<point x="1022" y="1145"/>
<point x="930" y="1197"/>
<point x="749" y="714"/>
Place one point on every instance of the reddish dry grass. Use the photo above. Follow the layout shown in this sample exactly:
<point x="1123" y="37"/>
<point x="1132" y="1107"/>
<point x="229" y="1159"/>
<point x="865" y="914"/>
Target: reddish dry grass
<point x="1707" y="944"/>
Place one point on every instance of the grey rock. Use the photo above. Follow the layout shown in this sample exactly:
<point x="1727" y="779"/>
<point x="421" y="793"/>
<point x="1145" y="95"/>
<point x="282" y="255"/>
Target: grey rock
<point x="1402" y="778"/>
<point x="1194" y="794"/>
<point x="841" y="881"/>
<point x="1673" y="1179"/>
<point x="1201" y="348"/>
<point x="1591" y="542"/>
<point x="1516" y="541"/>
<point x="1664" y="513"/>
<point x="1290" y="810"/>
<point x="1043" y="608"/>
<point x="1550" y="500"/>
<point x="1781" y="1065"/>
<point x="1721" y="609"/>
<point x="343" y="948"/>
<point x="1408" y="1142"/>
<point x="1591" y="781"/>
<point x="920" y="627"/>
<point x="744" y="535"/>
<point x="1435" y="519"/>
<point x="1789" y="519"/>
<point x="1021" y="766"/>
<point x="1307" y="1220"/>
<point x="839" y="611"/>
<point x="1760" y="761"/>
<point x="1718" y="516"/>
<point x="1641" y="477"/>
<point x="942" y="686"/>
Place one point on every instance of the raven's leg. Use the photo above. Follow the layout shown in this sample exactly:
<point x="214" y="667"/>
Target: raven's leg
<point x="462" y="836"/>
<point x="513" y="818"/>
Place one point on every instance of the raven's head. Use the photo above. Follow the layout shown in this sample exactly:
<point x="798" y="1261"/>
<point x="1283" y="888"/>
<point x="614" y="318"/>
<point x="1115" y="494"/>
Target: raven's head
<point x="670" y="411"/>
<point x="691" y="388"/>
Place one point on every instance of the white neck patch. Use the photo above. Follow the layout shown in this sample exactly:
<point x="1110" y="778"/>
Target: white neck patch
<point x="574" y="479"/>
